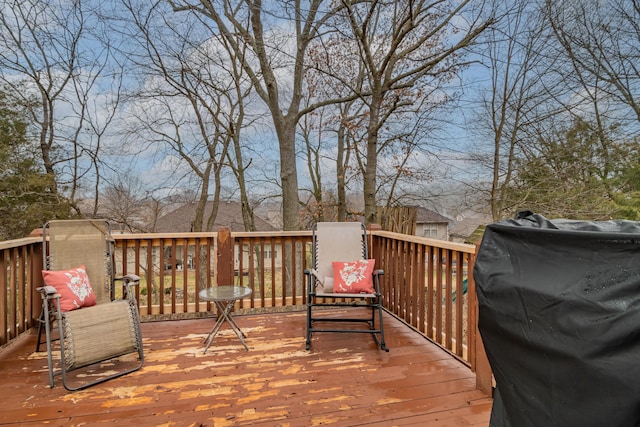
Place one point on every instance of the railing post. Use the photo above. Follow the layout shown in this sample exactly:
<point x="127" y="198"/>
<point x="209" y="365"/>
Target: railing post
<point x="479" y="362"/>
<point x="224" y="258"/>
<point x="370" y="229"/>
<point x="36" y="280"/>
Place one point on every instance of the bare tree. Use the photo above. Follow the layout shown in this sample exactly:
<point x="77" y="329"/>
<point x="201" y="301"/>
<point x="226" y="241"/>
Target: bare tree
<point x="335" y="73"/>
<point x="192" y="101"/>
<point x="602" y="41"/>
<point x="404" y="45"/>
<point x="53" y="64"/>
<point x="270" y="50"/>
<point x="236" y="157"/>
<point x="124" y="203"/>
<point x="514" y="106"/>
<point x="338" y="72"/>
<point x="312" y="137"/>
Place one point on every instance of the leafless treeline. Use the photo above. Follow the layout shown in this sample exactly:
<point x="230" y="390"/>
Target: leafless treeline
<point x="132" y="103"/>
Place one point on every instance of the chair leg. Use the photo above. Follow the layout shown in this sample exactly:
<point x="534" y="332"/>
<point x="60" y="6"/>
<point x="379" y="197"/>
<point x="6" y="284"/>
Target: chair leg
<point x="308" y="343"/>
<point x="383" y="345"/>
<point x="378" y="334"/>
<point x="50" y="305"/>
<point x="42" y="327"/>
<point x="47" y="326"/>
<point x="40" y="324"/>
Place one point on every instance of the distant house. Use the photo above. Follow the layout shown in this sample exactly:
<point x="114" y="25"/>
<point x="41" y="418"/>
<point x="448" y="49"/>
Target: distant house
<point x="229" y="215"/>
<point x="431" y="224"/>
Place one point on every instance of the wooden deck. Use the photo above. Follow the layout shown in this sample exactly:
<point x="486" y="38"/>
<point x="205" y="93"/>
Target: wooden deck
<point x="343" y="381"/>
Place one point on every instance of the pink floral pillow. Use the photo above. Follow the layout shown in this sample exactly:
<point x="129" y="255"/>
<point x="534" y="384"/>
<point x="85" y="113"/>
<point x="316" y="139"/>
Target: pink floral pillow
<point x="353" y="277"/>
<point x="73" y="286"/>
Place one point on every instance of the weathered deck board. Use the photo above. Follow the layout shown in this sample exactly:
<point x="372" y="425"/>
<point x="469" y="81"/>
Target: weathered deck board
<point x="344" y="381"/>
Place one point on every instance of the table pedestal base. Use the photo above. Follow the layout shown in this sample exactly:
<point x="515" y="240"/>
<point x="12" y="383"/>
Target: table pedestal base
<point x="224" y="310"/>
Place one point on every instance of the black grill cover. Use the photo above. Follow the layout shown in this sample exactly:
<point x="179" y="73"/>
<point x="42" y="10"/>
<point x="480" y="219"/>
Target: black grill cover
<point x="559" y="305"/>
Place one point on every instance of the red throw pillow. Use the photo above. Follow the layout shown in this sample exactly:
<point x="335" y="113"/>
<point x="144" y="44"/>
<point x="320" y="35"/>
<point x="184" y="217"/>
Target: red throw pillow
<point x="353" y="277"/>
<point x="73" y="286"/>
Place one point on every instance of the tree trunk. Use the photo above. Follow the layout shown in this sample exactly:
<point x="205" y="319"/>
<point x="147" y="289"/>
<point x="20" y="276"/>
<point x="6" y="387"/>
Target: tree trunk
<point x="288" y="173"/>
<point x="340" y="179"/>
<point x="198" y="221"/>
<point x="371" y="168"/>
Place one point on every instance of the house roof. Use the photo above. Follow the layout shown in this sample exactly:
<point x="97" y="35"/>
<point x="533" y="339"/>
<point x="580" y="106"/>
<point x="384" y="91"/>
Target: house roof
<point x="229" y="215"/>
<point x="424" y="215"/>
<point x="469" y="226"/>
<point x="476" y="237"/>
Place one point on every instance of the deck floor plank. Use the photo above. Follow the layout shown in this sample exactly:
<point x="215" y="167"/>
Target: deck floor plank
<point x="343" y="381"/>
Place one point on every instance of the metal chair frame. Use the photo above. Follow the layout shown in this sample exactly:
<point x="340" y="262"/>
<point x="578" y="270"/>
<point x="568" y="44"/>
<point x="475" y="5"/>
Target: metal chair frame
<point x="317" y="299"/>
<point x="51" y="313"/>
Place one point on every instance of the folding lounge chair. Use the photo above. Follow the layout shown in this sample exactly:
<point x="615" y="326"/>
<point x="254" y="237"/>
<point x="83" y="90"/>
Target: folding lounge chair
<point x="342" y="247"/>
<point x="91" y="328"/>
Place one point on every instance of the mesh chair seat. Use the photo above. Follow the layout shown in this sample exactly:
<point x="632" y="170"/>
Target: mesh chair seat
<point x="99" y="333"/>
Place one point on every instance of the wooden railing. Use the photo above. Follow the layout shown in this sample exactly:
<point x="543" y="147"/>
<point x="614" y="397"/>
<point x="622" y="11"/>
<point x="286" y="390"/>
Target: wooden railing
<point x="429" y="284"/>
<point x="426" y="283"/>
<point x="271" y="264"/>
<point x="20" y="273"/>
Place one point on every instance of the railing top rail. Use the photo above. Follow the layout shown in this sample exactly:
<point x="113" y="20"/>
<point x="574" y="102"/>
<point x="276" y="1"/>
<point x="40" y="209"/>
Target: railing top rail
<point x="10" y="244"/>
<point x="209" y="234"/>
<point x="462" y="247"/>
<point x="300" y="233"/>
<point x="148" y="236"/>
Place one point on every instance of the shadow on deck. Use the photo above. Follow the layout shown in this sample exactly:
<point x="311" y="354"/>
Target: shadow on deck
<point x="343" y="381"/>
